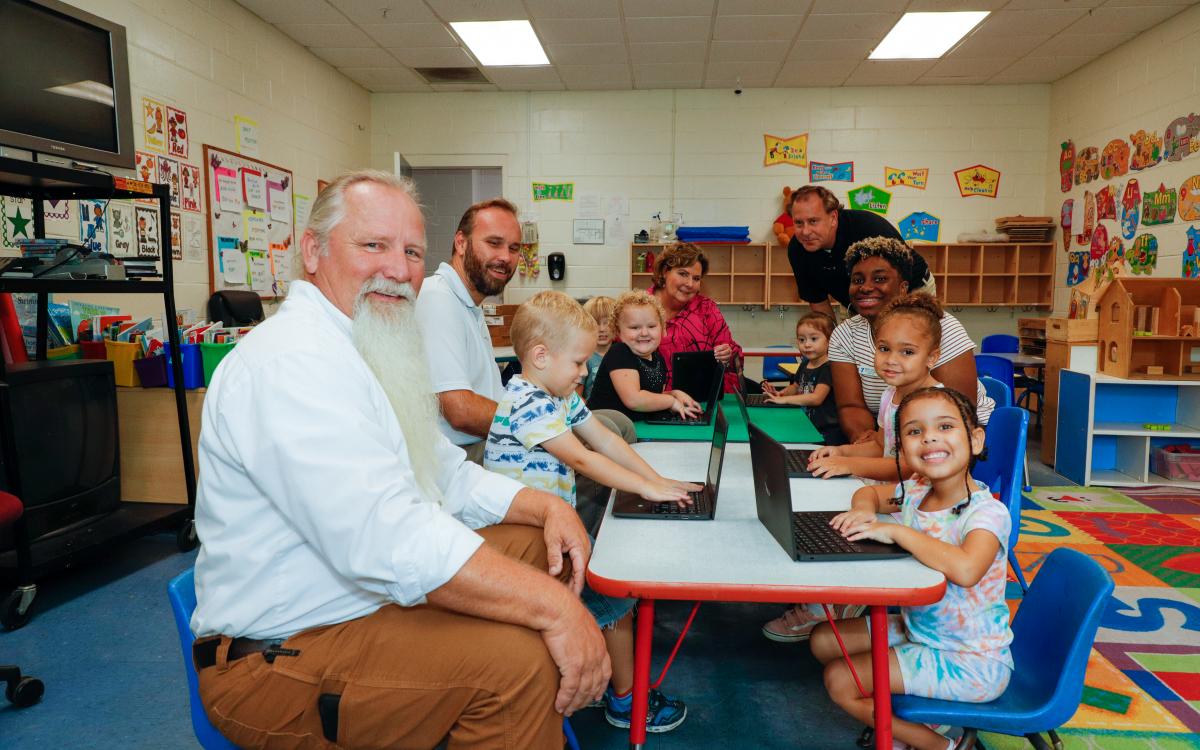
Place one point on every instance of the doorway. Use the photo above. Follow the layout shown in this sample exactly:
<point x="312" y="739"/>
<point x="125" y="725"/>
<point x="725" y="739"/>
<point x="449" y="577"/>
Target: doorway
<point x="446" y="193"/>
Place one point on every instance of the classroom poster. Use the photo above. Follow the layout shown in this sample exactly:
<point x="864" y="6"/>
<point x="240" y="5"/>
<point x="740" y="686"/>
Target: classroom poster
<point x="122" y="240"/>
<point x="254" y="189"/>
<point x="168" y="174"/>
<point x="920" y="226"/>
<point x="1191" y="255"/>
<point x="915" y="178"/>
<point x="177" y="132"/>
<point x="978" y="180"/>
<point x="1078" y="262"/>
<point x="870" y="198"/>
<point x="93" y="229"/>
<point x="247" y="135"/>
<point x="1189" y="199"/>
<point x="148" y="235"/>
<point x="793" y="150"/>
<point x="842" y="171"/>
<point x="561" y="191"/>
<point x="303" y="209"/>
<point x="61" y="217"/>
<point x="16" y="220"/>
<point x="189" y="188"/>
<point x="1158" y="206"/>
<point x="193" y="238"/>
<point x="154" y="125"/>
<point x="1143" y="255"/>
<point x="145" y="165"/>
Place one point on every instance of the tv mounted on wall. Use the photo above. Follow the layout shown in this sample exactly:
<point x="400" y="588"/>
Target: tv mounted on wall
<point x="64" y="84"/>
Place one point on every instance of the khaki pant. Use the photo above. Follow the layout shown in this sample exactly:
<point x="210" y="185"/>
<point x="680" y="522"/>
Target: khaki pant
<point x="409" y="677"/>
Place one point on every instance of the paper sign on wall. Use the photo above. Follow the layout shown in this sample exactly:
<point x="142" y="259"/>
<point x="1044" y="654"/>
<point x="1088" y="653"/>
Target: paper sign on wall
<point x="1066" y="218"/>
<point x="190" y="187"/>
<point x="1114" y="161"/>
<point x="147" y="232"/>
<point x="280" y="206"/>
<point x="255" y="225"/>
<point x="177" y="132"/>
<point x="1182" y="137"/>
<point x="978" y="180"/>
<point x="168" y="174"/>
<point x="1158" y="206"/>
<point x="920" y="227"/>
<point x="1191" y="255"/>
<point x="254" y="189"/>
<point x="1146" y="148"/>
<point x="916" y="178"/>
<point x="176" y="236"/>
<point x="229" y="194"/>
<point x="792" y="150"/>
<point x="1189" y="199"/>
<point x="1131" y="209"/>
<point x="247" y="135"/>
<point x="1066" y="165"/>
<point x="154" y="125"/>
<point x="122" y="242"/>
<point x="1087" y="165"/>
<point x="1078" y="262"/>
<point x="303" y="205"/>
<point x="193" y="239"/>
<point x="870" y="198"/>
<point x="260" y="273"/>
<point x="562" y="191"/>
<point x="93" y="229"/>
<point x="842" y="171"/>
<point x="1143" y="254"/>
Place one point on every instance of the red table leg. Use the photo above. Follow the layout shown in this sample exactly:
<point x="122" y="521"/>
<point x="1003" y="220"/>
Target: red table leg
<point x="641" y="674"/>
<point x="879" y="674"/>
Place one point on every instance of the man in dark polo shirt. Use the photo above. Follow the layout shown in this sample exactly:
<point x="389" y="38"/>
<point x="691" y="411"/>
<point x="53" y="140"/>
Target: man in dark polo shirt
<point x="824" y="231"/>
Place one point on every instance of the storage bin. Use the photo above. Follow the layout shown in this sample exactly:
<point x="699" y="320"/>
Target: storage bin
<point x="212" y="354"/>
<point x="1178" y="462"/>
<point x="64" y="352"/>
<point x="193" y="366"/>
<point x="122" y="354"/>
<point x="93" y="350"/>
<point x="152" y="371"/>
<point x="1070" y="329"/>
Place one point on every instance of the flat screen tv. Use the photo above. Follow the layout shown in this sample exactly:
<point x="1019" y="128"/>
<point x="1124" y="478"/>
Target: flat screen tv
<point x="64" y="83"/>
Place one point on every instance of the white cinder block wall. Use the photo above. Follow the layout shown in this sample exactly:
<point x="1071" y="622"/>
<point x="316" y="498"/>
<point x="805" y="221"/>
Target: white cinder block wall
<point x="214" y="59"/>
<point x="700" y="153"/>
<point x="1142" y="85"/>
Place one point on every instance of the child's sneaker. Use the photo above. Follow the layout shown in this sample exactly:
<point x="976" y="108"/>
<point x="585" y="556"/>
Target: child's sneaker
<point x="662" y="715"/>
<point x="797" y="623"/>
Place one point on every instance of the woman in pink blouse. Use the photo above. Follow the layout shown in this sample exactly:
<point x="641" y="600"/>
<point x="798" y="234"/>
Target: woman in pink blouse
<point x="694" y="322"/>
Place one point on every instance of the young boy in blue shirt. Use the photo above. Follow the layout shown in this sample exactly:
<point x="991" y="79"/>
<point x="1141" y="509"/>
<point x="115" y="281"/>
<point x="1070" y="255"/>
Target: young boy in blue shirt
<point x="538" y="437"/>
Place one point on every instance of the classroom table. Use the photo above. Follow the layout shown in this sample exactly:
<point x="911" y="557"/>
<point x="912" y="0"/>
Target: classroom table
<point x="504" y="353"/>
<point x="1021" y="361"/>
<point x="734" y="558"/>
<point x="787" y="424"/>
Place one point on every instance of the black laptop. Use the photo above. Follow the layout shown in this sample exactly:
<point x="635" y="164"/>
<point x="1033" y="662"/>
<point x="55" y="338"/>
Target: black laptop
<point x="710" y="396"/>
<point x="704" y="502"/>
<point x="805" y="535"/>
<point x="796" y="459"/>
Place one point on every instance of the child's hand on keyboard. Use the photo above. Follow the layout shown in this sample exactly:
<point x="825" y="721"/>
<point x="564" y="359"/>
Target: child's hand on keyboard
<point x="829" y="466"/>
<point x="874" y="530"/>
<point x="823" y="451"/>
<point x="667" y="491"/>
<point x="768" y="389"/>
<point x="685" y="486"/>
<point x="685" y="406"/>
<point x="851" y="519"/>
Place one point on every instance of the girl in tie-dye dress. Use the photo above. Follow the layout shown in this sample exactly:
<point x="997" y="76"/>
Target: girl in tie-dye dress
<point x="956" y="649"/>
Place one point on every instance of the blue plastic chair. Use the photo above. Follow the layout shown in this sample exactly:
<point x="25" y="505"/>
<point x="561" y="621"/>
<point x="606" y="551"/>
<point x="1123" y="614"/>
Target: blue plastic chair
<point x="995" y="367"/>
<point x="1005" y="441"/>
<point x="1052" y="637"/>
<point x="182" y="593"/>
<point x="996" y="391"/>
<point x="1000" y="343"/>
<point x="772" y="371"/>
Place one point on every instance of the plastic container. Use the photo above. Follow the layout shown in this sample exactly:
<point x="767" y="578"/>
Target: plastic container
<point x="152" y="371"/>
<point x="1177" y="462"/>
<point x="93" y="350"/>
<point x="123" y="354"/>
<point x="193" y="367"/>
<point x="64" y="352"/>
<point x="212" y="354"/>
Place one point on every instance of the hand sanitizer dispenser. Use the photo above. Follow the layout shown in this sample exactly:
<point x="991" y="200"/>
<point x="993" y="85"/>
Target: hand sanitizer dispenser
<point x="557" y="263"/>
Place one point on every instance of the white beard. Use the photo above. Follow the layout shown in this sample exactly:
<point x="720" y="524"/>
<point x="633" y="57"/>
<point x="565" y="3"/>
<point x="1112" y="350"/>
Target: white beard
<point x="389" y="340"/>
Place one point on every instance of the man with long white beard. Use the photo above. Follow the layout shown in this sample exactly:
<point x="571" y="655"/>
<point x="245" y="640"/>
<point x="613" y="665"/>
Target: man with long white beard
<point x="359" y="583"/>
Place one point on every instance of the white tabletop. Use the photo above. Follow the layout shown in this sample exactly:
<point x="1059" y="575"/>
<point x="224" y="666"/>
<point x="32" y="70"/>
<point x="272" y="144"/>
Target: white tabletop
<point x="734" y="558"/>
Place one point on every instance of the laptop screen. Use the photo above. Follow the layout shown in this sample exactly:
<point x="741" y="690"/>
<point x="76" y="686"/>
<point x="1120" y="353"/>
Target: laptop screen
<point x="717" y="455"/>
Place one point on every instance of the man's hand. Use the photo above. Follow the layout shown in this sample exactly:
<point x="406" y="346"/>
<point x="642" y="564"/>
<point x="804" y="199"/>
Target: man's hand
<point x="577" y="647"/>
<point x="564" y="534"/>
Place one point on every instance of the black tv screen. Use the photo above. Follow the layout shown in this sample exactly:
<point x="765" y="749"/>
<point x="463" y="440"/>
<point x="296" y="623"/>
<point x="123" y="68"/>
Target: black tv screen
<point x="64" y="86"/>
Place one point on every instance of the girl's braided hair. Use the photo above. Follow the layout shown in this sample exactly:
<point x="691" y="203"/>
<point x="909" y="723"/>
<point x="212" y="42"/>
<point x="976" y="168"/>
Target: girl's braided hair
<point x="970" y="420"/>
<point x="919" y="305"/>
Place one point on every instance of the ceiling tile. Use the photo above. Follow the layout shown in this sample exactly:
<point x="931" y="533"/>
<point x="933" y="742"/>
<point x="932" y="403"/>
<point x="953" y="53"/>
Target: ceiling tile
<point x="752" y="74"/>
<point x="396" y="88"/>
<point x="327" y="34"/>
<point x="459" y="87"/>
<point x="1069" y="44"/>
<point x="1040" y="69"/>
<point x="946" y="6"/>
<point x="667" y="8"/>
<point x="517" y="76"/>
<point x="748" y="51"/>
<point x="849" y="26"/>
<point x="760" y="7"/>
<point x="680" y="29"/>
<point x="584" y="76"/>
<point x="657" y="73"/>
<point x="393" y="76"/>
<point x="478" y="10"/>
<point x="982" y="44"/>
<point x="833" y="7"/>
<point x="830" y="49"/>
<point x="689" y="84"/>
<point x="293" y="11"/>
<point x="1045" y="4"/>
<point x="1010" y="23"/>
<point x="930" y="80"/>
<point x="1108" y="20"/>
<point x="668" y="53"/>
<point x="354" y="57"/>
<point x="541" y="9"/>
<point x="756" y="28"/>
<point x="585" y="54"/>
<point x="888" y="72"/>
<point x="970" y="68"/>
<point x="366" y="12"/>
<point x="411" y="35"/>
<point x="816" y="73"/>
<point x="573" y="31"/>
<point x="433" y="57"/>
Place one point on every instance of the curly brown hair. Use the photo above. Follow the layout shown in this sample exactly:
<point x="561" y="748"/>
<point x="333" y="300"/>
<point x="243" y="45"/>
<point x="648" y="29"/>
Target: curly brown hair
<point x="679" y="255"/>
<point x="921" y="306"/>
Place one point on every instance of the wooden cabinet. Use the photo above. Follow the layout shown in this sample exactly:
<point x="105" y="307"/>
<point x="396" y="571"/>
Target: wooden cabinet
<point x="1031" y="336"/>
<point x="992" y="274"/>
<point x="737" y="273"/>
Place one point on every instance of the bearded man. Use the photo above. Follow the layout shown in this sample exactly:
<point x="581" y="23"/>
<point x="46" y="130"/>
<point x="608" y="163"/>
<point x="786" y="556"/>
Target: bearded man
<point x="359" y="583"/>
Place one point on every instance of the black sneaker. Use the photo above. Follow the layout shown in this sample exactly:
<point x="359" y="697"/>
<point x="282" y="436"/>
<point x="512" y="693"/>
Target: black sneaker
<point x="662" y="715"/>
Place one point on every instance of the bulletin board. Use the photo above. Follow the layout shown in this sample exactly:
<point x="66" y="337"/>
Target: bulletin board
<point x="251" y="233"/>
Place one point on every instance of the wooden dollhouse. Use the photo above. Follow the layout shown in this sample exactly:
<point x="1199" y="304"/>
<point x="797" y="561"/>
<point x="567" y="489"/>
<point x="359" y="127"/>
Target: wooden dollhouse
<point x="1149" y="328"/>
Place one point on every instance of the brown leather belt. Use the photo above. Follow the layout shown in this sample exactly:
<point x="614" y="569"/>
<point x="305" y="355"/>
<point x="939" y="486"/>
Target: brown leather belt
<point x="204" y="651"/>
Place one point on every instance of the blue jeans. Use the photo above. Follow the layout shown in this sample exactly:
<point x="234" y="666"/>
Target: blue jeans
<point x="608" y="610"/>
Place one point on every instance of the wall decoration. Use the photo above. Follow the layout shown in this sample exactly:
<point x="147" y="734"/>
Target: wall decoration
<point x="189" y="187"/>
<point x="1189" y="199"/>
<point x="1191" y="255"/>
<point x="920" y="227"/>
<point x="1066" y="165"/>
<point x="842" y="171"/>
<point x="1143" y="254"/>
<point x="247" y="135"/>
<point x="1182" y="138"/>
<point x="177" y="132"/>
<point x="870" y="198"/>
<point x="562" y="191"/>
<point x="916" y="178"/>
<point x="978" y="180"/>
<point x="1147" y="150"/>
<point x="1087" y="166"/>
<point x="1158" y="206"/>
<point x="122" y="238"/>
<point x="168" y="174"/>
<point x="1099" y="243"/>
<point x="1064" y="221"/>
<point x="1106" y="204"/>
<point x="1078" y="264"/>
<point x="17" y="220"/>
<point x="1131" y="205"/>
<point x="61" y="218"/>
<point x="93" y="229"/>
<point x="1115" y="254"/>
<point x="193" y="239"/>
<point x="1114" y="161"/>
<point x="147" y="232"/>
<point x="792" y="150"/>
<point x="176" y="236"/>
<point x="154" y="125"/>
<point x="145" y="166"/>
<point x="1089" y="219"/>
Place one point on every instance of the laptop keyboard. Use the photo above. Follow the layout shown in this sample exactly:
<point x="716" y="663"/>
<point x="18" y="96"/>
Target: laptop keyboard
<point x="673" y="418"/>
<point x="757" y="399"/>
<point x="797" y="461"/>
<point x="814" y="535"/>
<point x="701" y="504"/>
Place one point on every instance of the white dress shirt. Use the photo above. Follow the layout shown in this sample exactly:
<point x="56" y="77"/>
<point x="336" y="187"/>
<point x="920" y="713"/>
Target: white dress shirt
<point x="308" y="510"/>
<point x="457" y="343"/>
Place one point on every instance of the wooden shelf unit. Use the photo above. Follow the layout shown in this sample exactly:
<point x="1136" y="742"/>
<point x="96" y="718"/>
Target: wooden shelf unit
<point x="1009" y="274"/>
<point x="1145" y="323"/>
<point x="1031" y="336"/>
<point x="737" y="272"/>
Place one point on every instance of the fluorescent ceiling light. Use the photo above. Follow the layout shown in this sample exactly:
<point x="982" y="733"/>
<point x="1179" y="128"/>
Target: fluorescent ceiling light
<point x="926" y="36"/>
<point x="501" y="42"/>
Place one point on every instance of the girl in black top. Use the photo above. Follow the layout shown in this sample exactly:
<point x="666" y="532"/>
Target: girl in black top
<point x="812" y="385"/>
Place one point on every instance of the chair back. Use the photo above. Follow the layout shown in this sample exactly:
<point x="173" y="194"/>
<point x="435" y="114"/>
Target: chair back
<point x="995" y="367"/>
<point x="235" y="307"/>
<point x="996" y="391"/>
<point x="771" y="365"/>
<point x="1054" y="629"/>
<point x="1003" y="469"/>
<point x="182" y="593"/>
<point x="1000" y="343"/>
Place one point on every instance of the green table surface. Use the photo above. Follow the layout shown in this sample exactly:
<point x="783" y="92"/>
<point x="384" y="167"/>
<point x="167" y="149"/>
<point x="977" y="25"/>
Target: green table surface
<point x="787" y="425"/>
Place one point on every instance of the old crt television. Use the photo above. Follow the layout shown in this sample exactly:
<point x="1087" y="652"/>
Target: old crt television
<point x="64" y="84"/>
<point x="61" y="417"/>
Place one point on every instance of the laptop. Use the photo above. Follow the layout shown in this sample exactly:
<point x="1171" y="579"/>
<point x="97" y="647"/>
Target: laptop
<point x="805" y="535"/>
<point x="795" y="460"/>
<point x="704" y="502"/>
<point x="691" y="372"/>
<point x="760" y="399"/>
<point x="710" y="396"/>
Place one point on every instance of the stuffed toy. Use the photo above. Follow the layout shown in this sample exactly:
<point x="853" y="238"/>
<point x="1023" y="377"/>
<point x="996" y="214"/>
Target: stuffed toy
<point x="784" y="228"/>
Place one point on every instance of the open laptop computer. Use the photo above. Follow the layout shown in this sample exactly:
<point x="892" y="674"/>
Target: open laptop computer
<point x="710" y="397"/>
<point x="691" y="372"/>
<point x="704" y="502"/>
<point x="805" y="535"/>
<point x="795" y="460"/>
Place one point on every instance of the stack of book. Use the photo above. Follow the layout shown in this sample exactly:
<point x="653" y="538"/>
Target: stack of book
<point x="1026" y="228"/>
<point x="40" y="249"/>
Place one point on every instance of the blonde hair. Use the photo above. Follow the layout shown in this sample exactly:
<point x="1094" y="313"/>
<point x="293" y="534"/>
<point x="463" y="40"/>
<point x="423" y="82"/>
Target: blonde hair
<point x="548" y="318"/>
<point x="601" y="309"/>
<point x="635" y="298"/>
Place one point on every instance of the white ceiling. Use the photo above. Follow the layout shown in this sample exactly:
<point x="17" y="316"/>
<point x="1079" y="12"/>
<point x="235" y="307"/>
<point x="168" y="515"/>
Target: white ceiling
<point x="660" y="44"/>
